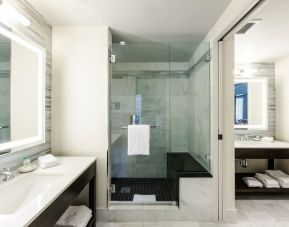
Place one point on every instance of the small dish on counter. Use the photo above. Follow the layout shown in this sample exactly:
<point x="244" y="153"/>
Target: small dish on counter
<point x="27" y="168"/>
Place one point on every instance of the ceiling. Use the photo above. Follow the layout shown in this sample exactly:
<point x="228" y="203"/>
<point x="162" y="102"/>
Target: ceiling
<point x="138" y="20"/>
<point x="267" y="41"/>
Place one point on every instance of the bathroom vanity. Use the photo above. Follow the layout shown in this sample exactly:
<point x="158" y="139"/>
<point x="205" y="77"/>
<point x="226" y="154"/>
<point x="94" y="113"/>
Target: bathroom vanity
<point x="39" y="198"/>
<point x="259" y="150"/>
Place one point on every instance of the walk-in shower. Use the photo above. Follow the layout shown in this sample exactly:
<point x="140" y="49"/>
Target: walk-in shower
<point x="166" y="86"/>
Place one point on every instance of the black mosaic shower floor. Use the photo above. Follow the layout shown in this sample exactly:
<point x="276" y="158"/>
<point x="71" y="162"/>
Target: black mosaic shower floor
<point x="125" y="188"/>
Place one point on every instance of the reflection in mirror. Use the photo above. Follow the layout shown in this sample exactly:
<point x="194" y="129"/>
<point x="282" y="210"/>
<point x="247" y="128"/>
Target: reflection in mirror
<point x="5" y="53"/>
<point x="251" y="103"/>
<point x="21" y="93"/>
<point x="241" y="103"/>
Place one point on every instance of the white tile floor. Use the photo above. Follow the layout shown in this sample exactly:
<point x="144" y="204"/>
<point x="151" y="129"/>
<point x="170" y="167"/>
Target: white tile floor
<point x="251" y="213"/>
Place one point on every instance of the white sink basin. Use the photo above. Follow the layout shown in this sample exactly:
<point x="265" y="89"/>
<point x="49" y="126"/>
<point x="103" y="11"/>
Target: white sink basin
<point x="16" y="193"/>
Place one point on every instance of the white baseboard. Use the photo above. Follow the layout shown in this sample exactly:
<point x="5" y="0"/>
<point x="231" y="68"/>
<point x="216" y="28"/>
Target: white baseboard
<point x="230" y="216"/>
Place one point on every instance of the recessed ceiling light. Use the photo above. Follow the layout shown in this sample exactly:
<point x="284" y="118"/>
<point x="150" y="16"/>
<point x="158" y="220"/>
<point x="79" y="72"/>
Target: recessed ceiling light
<point x="122" y="43"/>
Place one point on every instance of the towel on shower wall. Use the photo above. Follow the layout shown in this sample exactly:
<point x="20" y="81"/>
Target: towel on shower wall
<point x="267" y="181"/>
<point x="138" y="140"/>
<point x="280" y="176"/>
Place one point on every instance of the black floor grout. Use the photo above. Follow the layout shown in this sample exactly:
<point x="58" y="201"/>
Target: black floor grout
<point x="125" y="188"/>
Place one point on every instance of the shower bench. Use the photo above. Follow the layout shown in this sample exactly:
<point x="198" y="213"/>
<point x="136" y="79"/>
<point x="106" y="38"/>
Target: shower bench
<point x="183" y="165"/>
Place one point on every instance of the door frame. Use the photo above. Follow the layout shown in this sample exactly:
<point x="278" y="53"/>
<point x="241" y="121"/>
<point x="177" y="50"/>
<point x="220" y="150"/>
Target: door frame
<point x="226" y="214"/>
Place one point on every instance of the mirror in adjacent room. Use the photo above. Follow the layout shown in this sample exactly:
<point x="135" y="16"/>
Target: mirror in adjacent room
<point x="22" y="75"/>
<point x="251" y="103"/>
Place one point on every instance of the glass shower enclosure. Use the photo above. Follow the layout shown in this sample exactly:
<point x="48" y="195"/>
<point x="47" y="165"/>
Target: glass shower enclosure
<point x="165" y="86"/>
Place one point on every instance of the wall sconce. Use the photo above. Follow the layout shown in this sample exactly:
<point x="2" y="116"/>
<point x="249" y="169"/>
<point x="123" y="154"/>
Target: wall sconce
<point x="7" y="12"/>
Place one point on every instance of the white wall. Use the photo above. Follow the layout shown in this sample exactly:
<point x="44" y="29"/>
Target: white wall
<point x="282" y="105"/>
<point x="282" y="94"/>
<point x="80" y="97"/>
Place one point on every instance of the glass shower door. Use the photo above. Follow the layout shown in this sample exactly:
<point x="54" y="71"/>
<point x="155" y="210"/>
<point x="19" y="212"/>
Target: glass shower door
<point x="140" y="87"/>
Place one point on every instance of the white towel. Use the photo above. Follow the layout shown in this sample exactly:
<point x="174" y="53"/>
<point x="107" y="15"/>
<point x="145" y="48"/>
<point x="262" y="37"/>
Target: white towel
<point x="75" y="216"/>
<point x="267" y="139"/>
<point x="280" y="176"/>
<point x="48" y="160"/>
<point x="138" y="140"/>
<point x="252" y="182"/>
<point x="144" y="198"/>
<point x="267" y="181"/>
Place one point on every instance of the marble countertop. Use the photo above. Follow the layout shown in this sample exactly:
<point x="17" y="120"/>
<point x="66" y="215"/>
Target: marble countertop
<point x="259" y="144"/>
<point x="69" y="170"/>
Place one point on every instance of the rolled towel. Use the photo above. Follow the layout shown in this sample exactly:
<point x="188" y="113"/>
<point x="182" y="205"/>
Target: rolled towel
<point x="280" y="176"/>
<point x="267" y="181"/>
<point x="252" y="182"/>
<point x="75" y="216"/>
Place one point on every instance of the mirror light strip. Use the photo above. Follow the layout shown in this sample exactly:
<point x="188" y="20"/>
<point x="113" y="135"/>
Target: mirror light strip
<point x="8" y="12"/>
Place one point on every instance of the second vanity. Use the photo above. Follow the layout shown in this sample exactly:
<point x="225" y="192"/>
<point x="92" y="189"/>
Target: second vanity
<point x="40" y="198"/>
<point x="260" y="150"/>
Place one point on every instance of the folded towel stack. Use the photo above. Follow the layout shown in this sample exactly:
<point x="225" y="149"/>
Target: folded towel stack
<point x="267" y="181"/>
<point x="75" y="216"/>
<point x="280" y="176"/>
<point x="48" y="160"/>
<point x="252" y="182"/>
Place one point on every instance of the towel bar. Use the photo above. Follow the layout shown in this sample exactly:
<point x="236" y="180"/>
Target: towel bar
<point x="152" y="126"/>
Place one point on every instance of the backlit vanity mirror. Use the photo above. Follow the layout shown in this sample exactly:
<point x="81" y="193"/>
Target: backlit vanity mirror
<point x="251" y="103"/>
<point x="22" y="77"/>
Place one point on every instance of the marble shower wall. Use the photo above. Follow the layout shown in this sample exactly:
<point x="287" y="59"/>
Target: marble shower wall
<point x="199" y="113"/>
<point x="164" y="102"/>
<point x="179" y="117"/>
<point x="154" y="107"/>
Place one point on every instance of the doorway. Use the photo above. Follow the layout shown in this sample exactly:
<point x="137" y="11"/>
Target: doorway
<point x="255" y="83"/>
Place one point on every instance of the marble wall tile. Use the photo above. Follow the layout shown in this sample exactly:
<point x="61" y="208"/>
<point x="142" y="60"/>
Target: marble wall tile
<point x="153" y="87"/>
<point x="126" y="104"/>
<point x="123" y="87"/>
<point x="199" y="114"/>
<point x="154" y="111"/>
<point x="179" y="86"/>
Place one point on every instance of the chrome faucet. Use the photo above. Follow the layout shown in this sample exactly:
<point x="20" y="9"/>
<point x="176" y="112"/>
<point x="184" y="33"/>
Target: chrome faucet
<point x="7" y="174"/>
